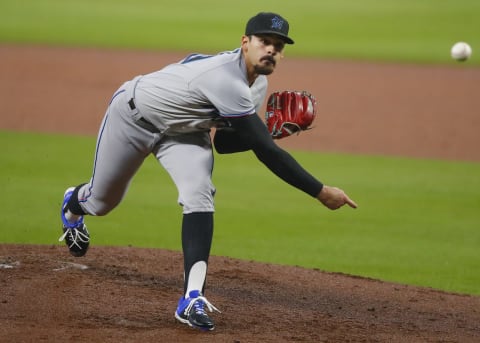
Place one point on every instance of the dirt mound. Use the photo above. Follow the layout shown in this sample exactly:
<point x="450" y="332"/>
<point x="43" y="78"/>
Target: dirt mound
<point x="130" y="294"/>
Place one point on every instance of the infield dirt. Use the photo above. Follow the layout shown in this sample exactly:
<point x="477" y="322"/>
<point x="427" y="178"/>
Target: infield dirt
<point x="119" y="294"/>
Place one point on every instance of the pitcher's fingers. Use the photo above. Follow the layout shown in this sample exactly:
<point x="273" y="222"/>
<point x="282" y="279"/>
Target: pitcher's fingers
<point x="350" y="202"/>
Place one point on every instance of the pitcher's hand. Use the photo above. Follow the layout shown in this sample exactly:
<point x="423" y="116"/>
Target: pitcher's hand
<point x="334" y="198"/>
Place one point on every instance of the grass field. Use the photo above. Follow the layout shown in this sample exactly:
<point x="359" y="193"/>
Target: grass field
<point x="414" y="225"/>
<point x="418" y="219"/>
<point x="392" y="30"/>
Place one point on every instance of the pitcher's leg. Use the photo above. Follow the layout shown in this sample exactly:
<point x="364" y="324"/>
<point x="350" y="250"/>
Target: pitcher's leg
<point x="197" y="233"/>
<point x="121" y="148"/>
<point x="116" y="162"/>
<point x="189" y="161"/>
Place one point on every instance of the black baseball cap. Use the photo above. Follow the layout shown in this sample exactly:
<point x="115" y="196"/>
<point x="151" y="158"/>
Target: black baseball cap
<point x="268" y="23"/>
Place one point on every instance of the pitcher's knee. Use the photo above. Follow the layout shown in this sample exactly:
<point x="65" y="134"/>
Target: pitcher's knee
<point x="103" y="211"/>
<point x="197" y="201"/>
<point x="98" y="208"/>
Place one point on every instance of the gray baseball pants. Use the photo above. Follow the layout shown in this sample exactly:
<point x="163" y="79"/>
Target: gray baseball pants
<point x="123" y="145"/>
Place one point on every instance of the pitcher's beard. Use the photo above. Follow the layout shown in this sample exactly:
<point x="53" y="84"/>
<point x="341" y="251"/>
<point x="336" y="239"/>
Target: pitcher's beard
<point x="264" y="69"/>
<point x="266" y="65"/>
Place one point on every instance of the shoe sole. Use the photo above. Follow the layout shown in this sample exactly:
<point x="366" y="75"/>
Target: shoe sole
<point x="78" y="253"/>
<point x="186" y="321"/>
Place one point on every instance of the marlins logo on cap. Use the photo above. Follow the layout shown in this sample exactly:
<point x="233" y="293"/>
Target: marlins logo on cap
<point x="277" y="23"/>
<point x="268" y="23"/>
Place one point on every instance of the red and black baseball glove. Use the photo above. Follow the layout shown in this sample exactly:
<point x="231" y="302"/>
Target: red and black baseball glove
<point x="289" y="112"/>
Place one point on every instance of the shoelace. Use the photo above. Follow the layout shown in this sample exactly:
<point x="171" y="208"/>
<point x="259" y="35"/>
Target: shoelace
<point x="80" y="236"/>
<point x="199" y="303"/>
<point x="73" y="225"/>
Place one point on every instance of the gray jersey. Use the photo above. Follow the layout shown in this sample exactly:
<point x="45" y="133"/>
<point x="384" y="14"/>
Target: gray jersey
<point x="199" y="93"/>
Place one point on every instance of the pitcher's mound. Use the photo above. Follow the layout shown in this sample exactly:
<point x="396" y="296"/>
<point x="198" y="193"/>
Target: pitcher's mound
<point x="130" y="295"/>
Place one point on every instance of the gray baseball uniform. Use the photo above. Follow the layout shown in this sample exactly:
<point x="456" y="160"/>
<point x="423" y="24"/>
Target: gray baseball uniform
<point x="169" y="113"/>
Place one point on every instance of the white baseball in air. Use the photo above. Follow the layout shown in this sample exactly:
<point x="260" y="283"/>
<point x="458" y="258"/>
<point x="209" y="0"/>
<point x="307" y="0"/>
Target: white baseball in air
<point x="461" y="51"/>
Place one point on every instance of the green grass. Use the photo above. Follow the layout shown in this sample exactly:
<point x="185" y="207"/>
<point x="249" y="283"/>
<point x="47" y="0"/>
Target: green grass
<point x="417" y="221"/>
<point x="389" y="30"/>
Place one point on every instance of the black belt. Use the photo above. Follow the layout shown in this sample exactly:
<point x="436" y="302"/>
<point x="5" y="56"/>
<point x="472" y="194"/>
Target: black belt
<point x="142" y="122"/>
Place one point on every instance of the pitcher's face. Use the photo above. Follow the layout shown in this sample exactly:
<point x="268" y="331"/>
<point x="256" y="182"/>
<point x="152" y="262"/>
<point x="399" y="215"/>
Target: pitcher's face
<point x="262" y="53"/>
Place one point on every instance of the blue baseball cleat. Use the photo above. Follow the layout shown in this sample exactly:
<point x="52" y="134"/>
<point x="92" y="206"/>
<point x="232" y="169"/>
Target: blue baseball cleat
<point x="76" y="235"/>
<point x="191" y="311"/>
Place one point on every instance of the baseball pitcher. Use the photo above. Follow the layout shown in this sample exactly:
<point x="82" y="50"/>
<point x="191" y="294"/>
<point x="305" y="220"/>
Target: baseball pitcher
<point x="170" y="113"/>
